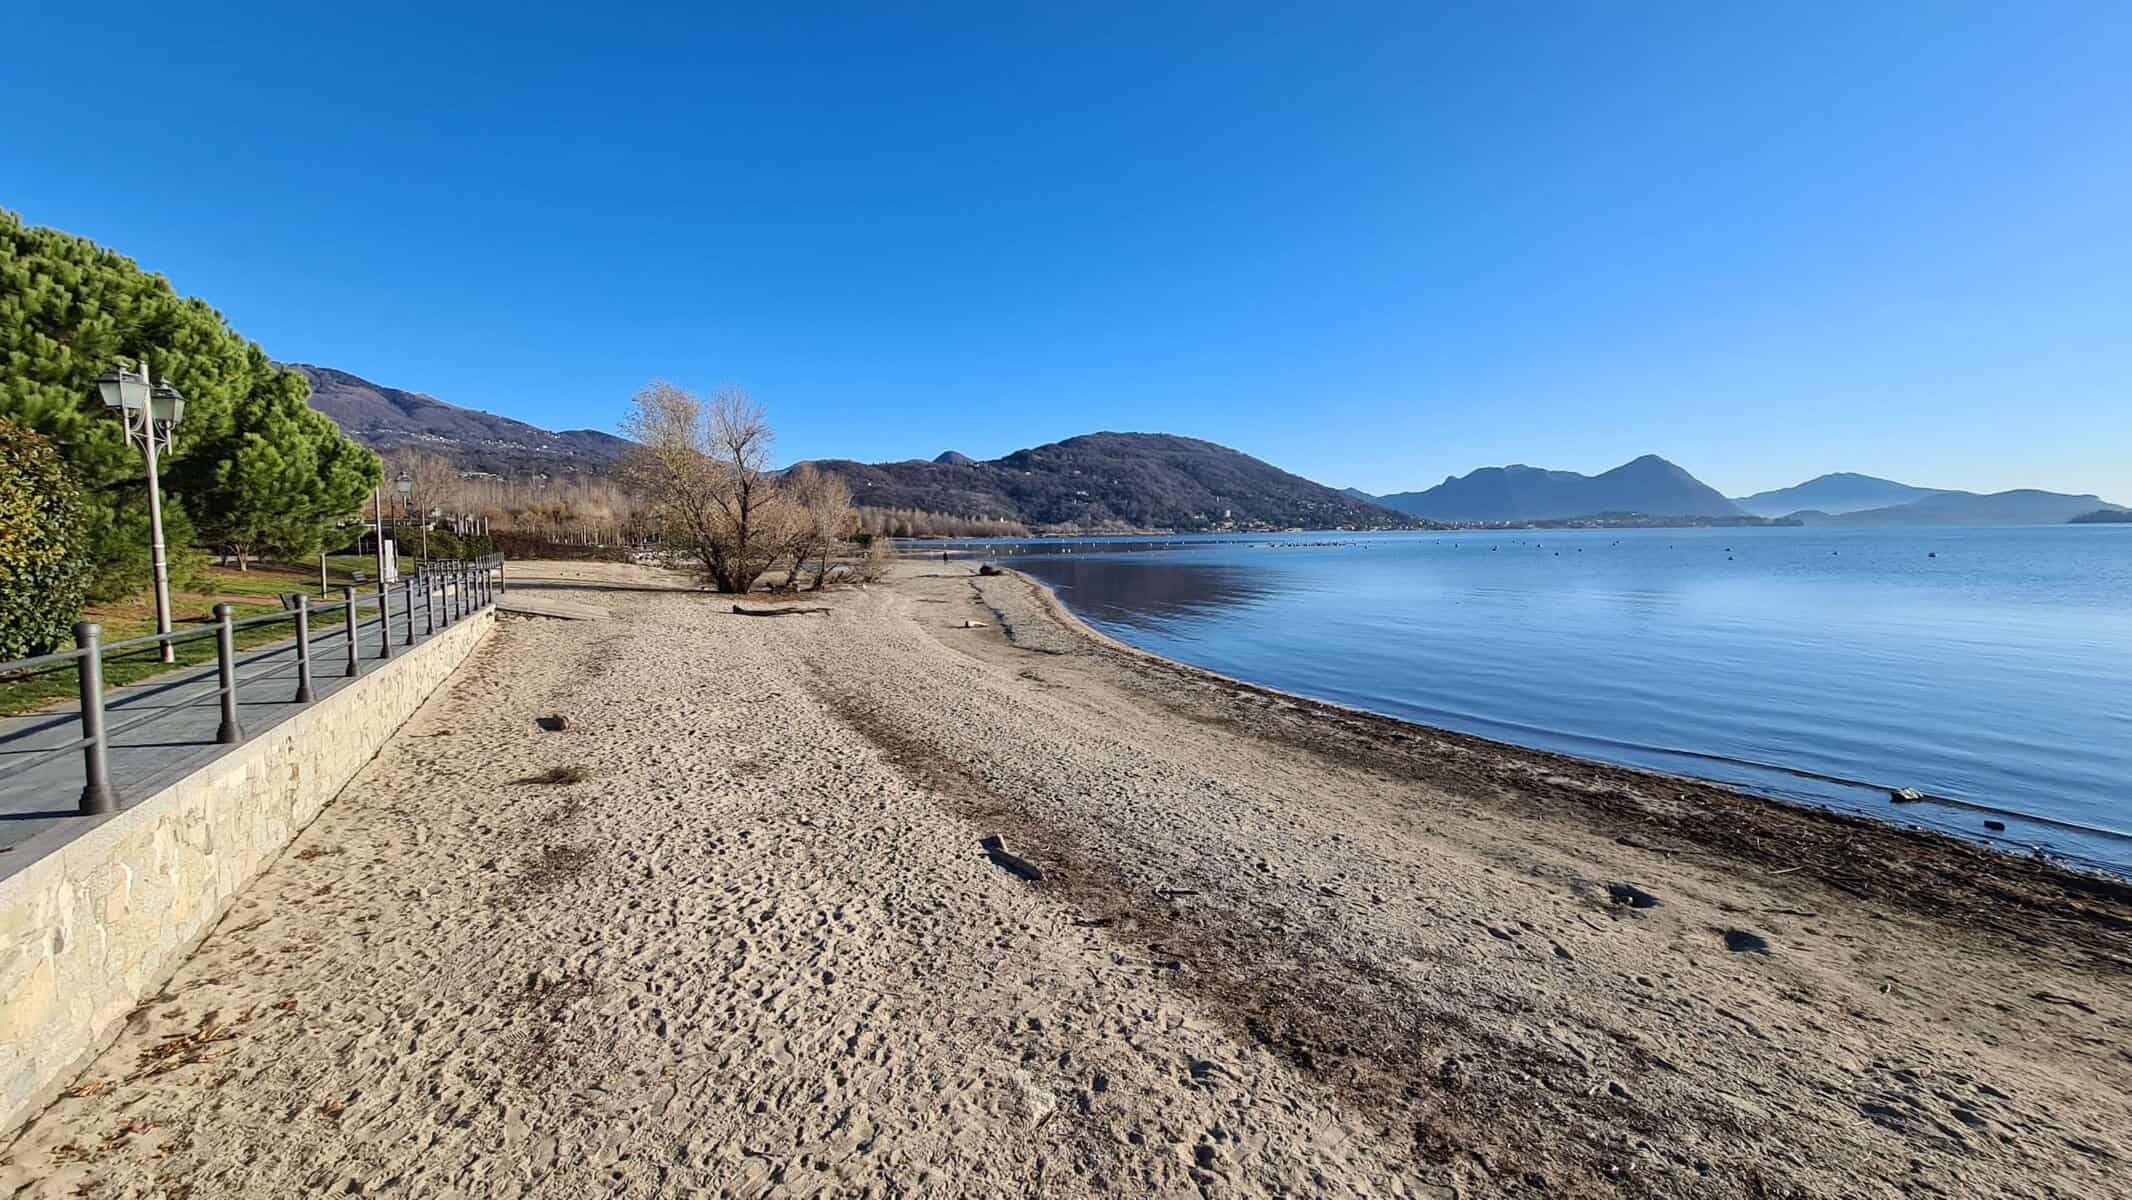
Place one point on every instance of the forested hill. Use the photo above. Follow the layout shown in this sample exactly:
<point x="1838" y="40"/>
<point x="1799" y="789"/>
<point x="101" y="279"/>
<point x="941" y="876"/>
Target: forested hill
<point x="1115" y="480"/>
<point x="386" y="418"/>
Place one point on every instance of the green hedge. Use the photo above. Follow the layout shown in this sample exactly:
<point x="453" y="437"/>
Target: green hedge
<point x="44" y="568"/>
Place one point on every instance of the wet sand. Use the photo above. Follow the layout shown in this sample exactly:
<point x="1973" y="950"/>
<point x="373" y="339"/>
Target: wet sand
<point x="1278" y="948"/>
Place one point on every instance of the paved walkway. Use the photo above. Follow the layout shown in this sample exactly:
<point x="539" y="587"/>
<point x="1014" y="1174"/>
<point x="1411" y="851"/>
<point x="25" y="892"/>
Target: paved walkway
<point x="40" y="806"/>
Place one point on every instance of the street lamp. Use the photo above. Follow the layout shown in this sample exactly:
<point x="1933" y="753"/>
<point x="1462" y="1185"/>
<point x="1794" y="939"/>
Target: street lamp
<point x="377" y="523"/>
<point x="404" y="484"/>
<point x="149" y="412"/>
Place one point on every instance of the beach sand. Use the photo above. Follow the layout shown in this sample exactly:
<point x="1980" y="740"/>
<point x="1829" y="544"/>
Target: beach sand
<point x="1278" y="949"/>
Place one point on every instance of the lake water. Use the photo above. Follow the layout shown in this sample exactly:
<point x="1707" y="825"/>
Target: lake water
<point x="1991" y="667"/>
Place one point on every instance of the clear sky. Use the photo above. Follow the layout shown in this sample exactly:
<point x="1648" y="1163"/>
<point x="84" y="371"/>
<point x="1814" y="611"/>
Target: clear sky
<point x="1373" y="244"/>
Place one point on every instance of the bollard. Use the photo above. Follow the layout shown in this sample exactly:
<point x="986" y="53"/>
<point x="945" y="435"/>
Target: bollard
<point x="304" y="694"/>
<point x="97" y="795"/>
<point x="384" y="619"/>
<point x="407" y="601"/>
<point x="429" y="604"/>
<point x="354" y="647"/>
<point x="226" y="668"/>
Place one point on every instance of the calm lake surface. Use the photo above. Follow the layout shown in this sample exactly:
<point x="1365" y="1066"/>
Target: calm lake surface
<point x="1992" y="667"/>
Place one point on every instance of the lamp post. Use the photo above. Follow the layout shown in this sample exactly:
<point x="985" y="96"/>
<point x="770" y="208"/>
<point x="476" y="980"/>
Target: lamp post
<point x="405" y="485"/>
<point x="377" y="529"/>
<point x="149" y="413"/>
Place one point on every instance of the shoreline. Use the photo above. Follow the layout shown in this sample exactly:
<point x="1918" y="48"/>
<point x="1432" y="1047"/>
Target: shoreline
<point x="1276" y="948"/>
<point x="2078" y="877"/>
<point x="2073" y="845"/>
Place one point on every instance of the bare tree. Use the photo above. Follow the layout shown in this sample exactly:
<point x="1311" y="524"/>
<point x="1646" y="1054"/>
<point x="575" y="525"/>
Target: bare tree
<point x="574" y="509"/>
<point x="704" y="468"/>
<point x="821" y="517"/>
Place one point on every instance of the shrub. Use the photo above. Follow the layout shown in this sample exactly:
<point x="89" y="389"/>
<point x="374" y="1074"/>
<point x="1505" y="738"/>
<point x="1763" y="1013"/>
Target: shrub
<point x="880" y="553"/>
<point x="44" y="568"/>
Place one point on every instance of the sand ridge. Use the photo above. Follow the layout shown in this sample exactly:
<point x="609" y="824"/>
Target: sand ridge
<point x="759" y="952"/>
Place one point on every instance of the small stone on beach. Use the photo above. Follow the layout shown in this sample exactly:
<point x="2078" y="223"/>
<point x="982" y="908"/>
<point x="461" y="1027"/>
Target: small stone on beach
<point x="996" y="849"/>
<point x="1739" y="941"/>
<point x="1631" y="895"/>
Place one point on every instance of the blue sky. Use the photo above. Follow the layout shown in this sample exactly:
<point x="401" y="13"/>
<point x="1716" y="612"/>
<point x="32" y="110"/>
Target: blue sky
<point x="1374" y="244"/>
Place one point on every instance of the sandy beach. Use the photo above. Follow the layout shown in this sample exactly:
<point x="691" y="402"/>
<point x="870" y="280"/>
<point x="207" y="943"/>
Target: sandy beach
<point x="1277" y="948"/>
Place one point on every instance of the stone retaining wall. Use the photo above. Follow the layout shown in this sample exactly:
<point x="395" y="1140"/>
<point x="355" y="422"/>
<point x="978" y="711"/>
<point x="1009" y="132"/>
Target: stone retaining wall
<point x="94" y="927"/>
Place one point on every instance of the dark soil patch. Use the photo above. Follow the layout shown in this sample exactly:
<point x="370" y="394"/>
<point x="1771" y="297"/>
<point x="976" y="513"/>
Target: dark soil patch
<point x="1373" y="1038"/>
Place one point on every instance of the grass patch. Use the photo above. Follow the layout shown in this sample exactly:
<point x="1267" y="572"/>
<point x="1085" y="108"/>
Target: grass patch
<point x="569" y="774"/>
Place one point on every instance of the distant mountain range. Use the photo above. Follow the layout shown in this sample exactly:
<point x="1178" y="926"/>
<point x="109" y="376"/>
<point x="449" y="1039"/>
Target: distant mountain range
<point x="1520" y="493"/>
<point x="385" y="418"/>
<point x="1114" y="480"/>
<point x="1162" y="481"/>
<point x="1653" y="487"/>
<point x="2022" y="506"/>
<point x="1842" y="492"/>
<point x="1100" y="480"/>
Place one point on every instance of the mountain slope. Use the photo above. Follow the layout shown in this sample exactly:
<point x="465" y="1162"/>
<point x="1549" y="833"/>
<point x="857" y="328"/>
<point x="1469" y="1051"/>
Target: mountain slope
<point x="1113" y="480"/>
<point x="2022" y="506"/>
<point x="1648" y="485"/>
<point x="1836" y="493"/>
<point x="385" y="418"/>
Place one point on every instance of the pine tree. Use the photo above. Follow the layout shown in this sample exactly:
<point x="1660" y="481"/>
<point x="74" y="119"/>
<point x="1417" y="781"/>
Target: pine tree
<point x="280" y="476"/>
<point x="70" y="309"/>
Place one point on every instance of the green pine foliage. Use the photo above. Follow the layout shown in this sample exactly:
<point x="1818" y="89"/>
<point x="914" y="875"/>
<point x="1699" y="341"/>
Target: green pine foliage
<point x="254" y="467"/>
<point x="280" y="477"/>
<point x="43" y="568"/>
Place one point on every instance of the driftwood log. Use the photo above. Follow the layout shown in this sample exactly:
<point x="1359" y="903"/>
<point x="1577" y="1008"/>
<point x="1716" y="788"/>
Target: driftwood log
<point x="780" y="612"/>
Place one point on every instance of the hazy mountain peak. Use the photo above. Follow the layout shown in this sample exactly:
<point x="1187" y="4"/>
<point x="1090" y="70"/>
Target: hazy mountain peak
<point x="1647" y="484"/>
<point x="1835" y="493"/>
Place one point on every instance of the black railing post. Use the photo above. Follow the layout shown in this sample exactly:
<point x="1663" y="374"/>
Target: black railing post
<point x="355" y="646"/>
<point x="304" y="694"/>
<point x="229" y="731"/>
<point x="384" y="619"/>
<point x="429" y="603"/>
<point x="97" y="795"/>
<point x="407" y="601"/>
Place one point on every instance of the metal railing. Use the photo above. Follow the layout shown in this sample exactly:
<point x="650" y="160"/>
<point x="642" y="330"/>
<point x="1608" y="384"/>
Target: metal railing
<point x="446" y="566"/>
<point x="445" y="598"/>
